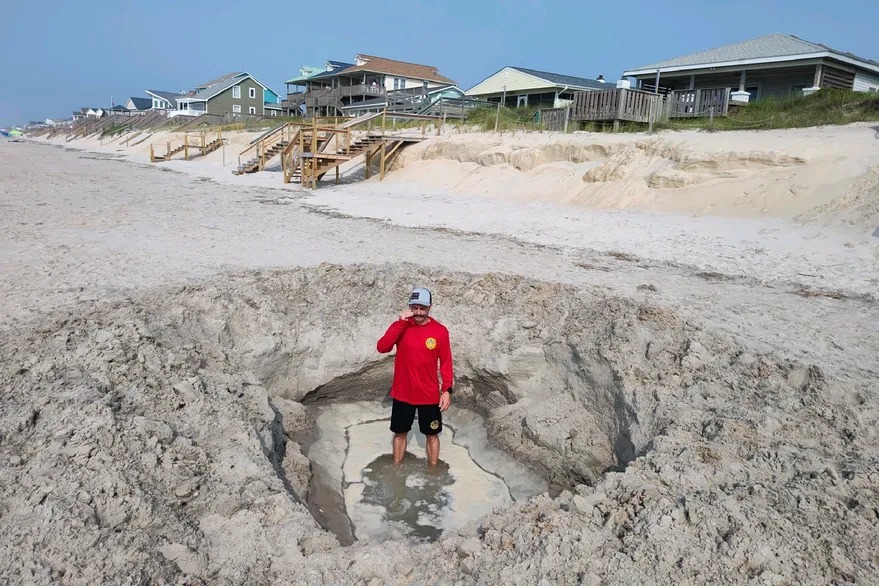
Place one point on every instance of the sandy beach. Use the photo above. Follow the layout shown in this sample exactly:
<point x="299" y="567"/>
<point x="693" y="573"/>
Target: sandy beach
<point x="715" y="293"/>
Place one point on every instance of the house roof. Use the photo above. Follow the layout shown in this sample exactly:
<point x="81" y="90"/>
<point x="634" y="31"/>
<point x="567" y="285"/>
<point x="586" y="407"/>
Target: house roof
<point x="338" y="67"/>
<point x="306" y="72"/>
<point x="765" y="48"/>
<point x="221" y="79"/>
<point x="141" y="103"/>
<point x="401" y="68"/>
<point x="209" y="92"/>
<point x="170" y="96"/>
<point x="436" y="90"/>
<point x="563" y="80"/>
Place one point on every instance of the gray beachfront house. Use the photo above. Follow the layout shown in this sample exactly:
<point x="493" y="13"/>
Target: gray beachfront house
<point x="776" y="65"/>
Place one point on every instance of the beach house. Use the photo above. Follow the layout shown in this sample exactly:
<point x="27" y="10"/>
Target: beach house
<point x="162" y="100"/>
<point x="296" y="86"/>
<point x="236" y="93"/>
<point x="136" y="104"/>
<point x="519" y="87"/>
<point x="776" y="65"/>
<point x="342" y="85"/>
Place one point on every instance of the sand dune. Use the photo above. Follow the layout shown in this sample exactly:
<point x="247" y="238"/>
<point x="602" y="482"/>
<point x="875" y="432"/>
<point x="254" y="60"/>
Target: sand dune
<point x="813" y="175"/>
<point x="809" y="174"/>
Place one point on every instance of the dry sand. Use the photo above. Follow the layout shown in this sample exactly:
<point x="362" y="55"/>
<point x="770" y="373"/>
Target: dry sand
<point x="754" y="420"/>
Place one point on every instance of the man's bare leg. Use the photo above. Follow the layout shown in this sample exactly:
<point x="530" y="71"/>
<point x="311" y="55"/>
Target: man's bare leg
<point x="433" y="445"/>
<point x="399" y="445"/>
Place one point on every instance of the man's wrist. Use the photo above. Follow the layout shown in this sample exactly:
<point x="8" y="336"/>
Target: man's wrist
<point x="449" y="391"/>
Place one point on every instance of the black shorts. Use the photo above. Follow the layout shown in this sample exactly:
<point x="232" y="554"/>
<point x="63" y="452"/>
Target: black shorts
<point x="430" y="418"/>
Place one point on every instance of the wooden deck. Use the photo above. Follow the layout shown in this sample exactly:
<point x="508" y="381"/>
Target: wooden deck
<point x="618" y="105"/>
<point x="613" y="105"/>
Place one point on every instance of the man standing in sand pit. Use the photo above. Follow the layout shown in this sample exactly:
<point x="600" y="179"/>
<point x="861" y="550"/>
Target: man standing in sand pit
<point x="421" y="342"/>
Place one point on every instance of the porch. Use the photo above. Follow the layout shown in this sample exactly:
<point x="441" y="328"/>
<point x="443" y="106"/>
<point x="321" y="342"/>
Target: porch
<point x="619" y="105"/>
<point x="754" y="83"/>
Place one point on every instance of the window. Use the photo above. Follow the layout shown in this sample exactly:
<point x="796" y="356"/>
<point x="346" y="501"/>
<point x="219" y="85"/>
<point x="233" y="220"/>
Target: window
<point x="236" y="108"/>
<point x="251" y="110"/>
<point x="236" y="92"/>
<point x="399" y="83"/>
<point x="252" y="92"/>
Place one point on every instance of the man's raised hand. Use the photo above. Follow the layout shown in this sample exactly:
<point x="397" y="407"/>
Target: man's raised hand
<point x="406" y="314"/>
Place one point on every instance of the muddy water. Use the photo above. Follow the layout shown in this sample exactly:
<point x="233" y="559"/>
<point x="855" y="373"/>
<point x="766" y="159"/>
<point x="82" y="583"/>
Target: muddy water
<point x="408" y="498"/>
<point x="413" y="499"/>
<point x="361" y="494"/>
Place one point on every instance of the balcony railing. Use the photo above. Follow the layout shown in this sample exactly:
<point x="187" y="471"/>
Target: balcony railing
<point x="361" y="89"/>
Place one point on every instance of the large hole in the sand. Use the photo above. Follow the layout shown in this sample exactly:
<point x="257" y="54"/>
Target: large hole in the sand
<point x="357" y="491"/>
<point x="554" y="387"/>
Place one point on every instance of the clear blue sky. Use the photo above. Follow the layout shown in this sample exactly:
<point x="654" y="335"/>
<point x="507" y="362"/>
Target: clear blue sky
<point x="59" y="55"/>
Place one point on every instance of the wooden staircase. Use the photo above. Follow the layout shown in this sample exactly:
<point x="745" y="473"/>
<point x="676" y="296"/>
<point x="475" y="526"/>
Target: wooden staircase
<point x="258" y="163"/>
<point x="168" y="154"/>
<point x="319" y="164"/>
<point x="212" y="146"/>
<point x="308" y="160"/>
<point x="265" y="147"/>
<point x="200" y="143"/>
<point x="292" y="103"/>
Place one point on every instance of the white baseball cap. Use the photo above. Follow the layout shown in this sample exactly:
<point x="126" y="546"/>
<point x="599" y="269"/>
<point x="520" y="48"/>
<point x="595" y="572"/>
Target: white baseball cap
<point x="420" y="296"/>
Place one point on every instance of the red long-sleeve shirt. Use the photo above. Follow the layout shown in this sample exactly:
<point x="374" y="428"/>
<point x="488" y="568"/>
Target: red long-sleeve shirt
<point x="419" y="348"/>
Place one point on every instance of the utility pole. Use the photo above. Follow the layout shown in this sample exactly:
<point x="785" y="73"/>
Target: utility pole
<point x="503" y="99"/>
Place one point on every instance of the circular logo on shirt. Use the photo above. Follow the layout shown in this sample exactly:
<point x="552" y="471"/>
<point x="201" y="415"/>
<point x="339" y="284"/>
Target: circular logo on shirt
<point x="430" y="343"/>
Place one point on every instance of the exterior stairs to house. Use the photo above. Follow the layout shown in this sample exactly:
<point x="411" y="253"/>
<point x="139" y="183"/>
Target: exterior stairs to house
<point x="360" y="119"/>
<point x="257" y="163"/>
<point x="302" y="164"/>
<point x="293" y="102"/>
<point x="324" y="99"/>
<point x="265" y="147"/>
<point x="201" y="143"/>
<point x="168" y="154"/>
<point x="458" y="108"/>
<point x="212" y="146"/>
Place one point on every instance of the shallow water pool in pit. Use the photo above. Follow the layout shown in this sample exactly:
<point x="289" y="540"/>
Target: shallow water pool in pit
<point x="362" y="495"/>
<point x="408" y="498"/>
<point x="413" y="499"/>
